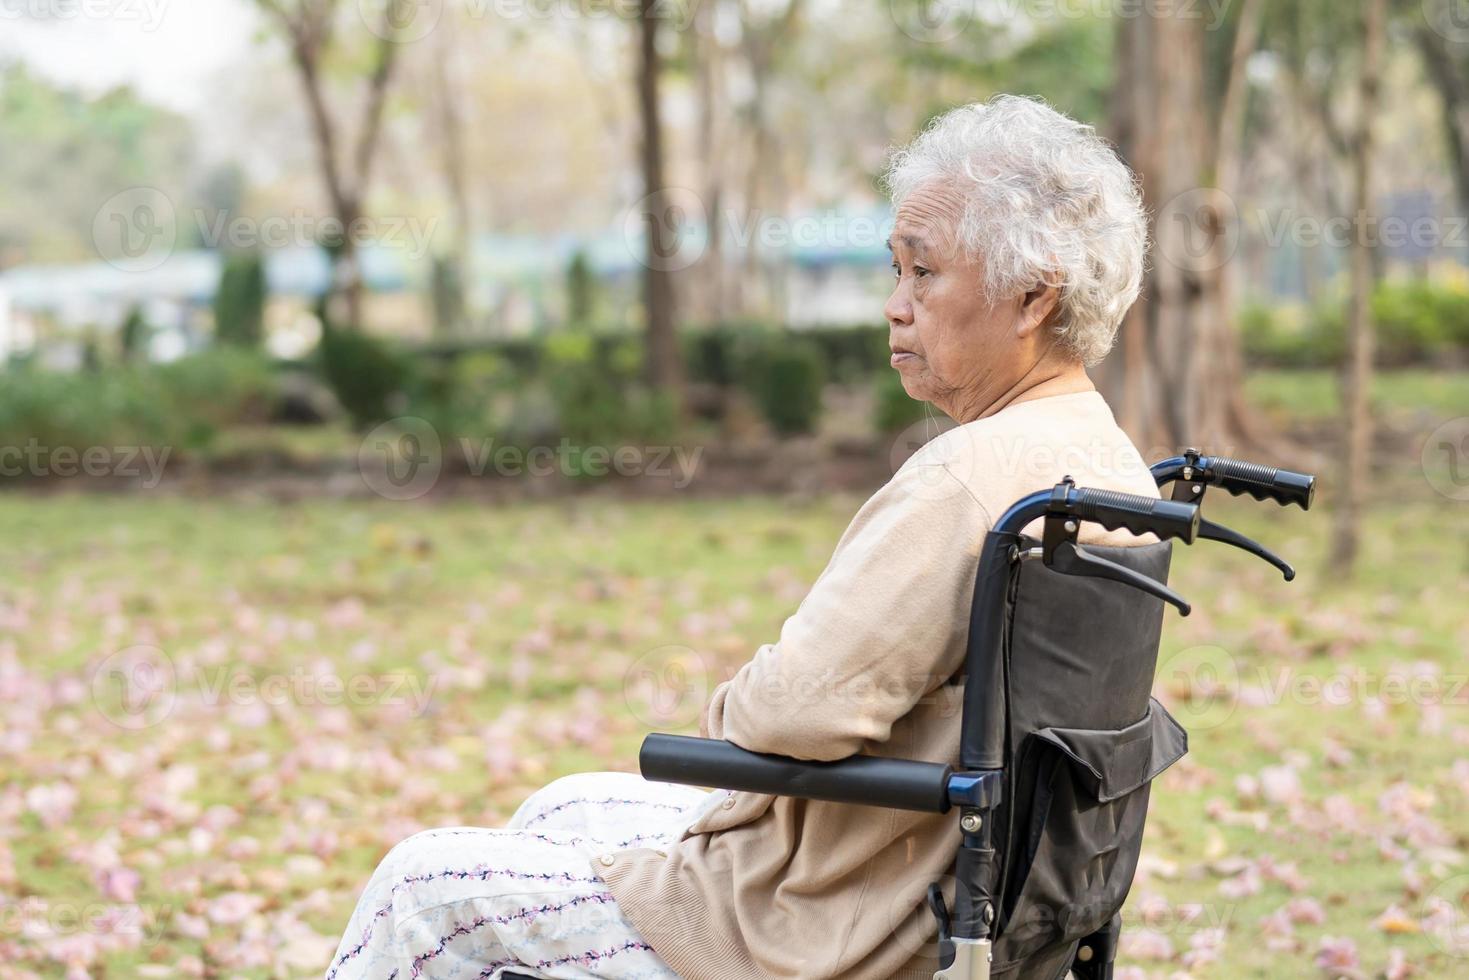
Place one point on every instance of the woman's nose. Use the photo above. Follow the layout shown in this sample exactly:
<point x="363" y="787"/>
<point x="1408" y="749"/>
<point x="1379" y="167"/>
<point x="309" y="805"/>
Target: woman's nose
<point x="898" y="309"/>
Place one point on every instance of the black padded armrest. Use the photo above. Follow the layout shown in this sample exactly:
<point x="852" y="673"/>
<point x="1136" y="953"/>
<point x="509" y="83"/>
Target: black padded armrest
<point x="866" y="780"/>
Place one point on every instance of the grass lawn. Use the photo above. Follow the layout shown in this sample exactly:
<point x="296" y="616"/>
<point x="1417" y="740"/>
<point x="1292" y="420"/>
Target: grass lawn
<point x="1315" y="395"/>
<point x="308" y="684"/>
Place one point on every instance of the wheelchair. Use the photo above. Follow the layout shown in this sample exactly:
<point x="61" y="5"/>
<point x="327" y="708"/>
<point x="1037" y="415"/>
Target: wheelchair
<point x="1061" y="738"/>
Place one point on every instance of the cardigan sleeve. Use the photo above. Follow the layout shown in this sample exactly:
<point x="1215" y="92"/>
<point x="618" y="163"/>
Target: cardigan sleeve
<point x="884" y="626"/>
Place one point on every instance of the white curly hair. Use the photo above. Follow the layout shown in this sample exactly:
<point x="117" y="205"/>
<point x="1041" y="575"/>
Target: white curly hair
<point x="1045" y="200"/>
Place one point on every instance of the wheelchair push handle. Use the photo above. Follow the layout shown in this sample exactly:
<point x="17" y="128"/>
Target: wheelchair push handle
<point x="899" y="784"/>
<point x="1140" y="515"/>
<point x="1194" y="471"/>
<point x="1264" y="482"/>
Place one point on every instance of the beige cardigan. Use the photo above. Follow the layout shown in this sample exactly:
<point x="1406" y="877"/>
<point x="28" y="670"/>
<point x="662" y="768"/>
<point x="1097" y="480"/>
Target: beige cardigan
<point x="764" y="886"/>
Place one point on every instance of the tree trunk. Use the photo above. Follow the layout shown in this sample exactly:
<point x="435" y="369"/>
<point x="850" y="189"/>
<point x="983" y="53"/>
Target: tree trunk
<point x="707" y="78"/>
<point x="1176" y="377"/>
<point x="1159" y="115"/>
<point x="1356" y="416"/>
<point x="664" y="363"/>
<point x="1447" y="73"/>
<point x="452" y="131"/>
<point x="308" y="28"/>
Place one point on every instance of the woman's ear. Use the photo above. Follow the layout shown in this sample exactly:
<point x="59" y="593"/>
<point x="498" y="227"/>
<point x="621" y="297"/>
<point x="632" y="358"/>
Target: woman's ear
<point x="1036" y="309"/>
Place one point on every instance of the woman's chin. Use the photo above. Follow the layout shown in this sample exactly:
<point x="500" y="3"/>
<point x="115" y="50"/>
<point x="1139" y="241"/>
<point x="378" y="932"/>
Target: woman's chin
<point x="913" y="383"/>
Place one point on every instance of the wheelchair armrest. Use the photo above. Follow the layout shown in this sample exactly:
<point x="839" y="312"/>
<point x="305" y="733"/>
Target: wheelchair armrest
<point x="866" y="780"/>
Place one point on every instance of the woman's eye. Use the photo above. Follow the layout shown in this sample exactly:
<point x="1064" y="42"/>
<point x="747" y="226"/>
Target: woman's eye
<point x="897" y="272"/>
<point x="920" y="271"/>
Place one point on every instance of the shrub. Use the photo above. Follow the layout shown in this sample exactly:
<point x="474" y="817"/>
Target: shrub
<point x="239" y="303"/>
<point x="786" y="382"/>
<point x="1416" y="321"/>
<point x="214" y="390"/>
<point x="182" y="405"/>
<point x="111" y="408"/>
<point x="132" y="337"/>
<point x="597" y="392"/>
<point x="852" y="354"/>
<point x="363" y="372"/>
<point x="581" y="291"/>
<point x="446" y="292"/>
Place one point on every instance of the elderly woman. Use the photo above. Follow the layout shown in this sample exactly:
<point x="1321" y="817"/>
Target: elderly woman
<point x="1017" y="248"/>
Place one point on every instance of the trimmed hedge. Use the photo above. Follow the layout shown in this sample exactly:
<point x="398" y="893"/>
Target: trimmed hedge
<point x="1417" y="323"/>
<point x="183" y="405"/>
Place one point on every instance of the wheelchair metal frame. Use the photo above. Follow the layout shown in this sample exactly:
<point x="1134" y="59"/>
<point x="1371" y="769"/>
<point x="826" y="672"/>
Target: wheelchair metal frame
<point x="967" y="934"/>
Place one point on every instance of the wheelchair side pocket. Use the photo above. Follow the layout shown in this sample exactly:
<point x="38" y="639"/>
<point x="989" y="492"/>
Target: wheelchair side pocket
<point x="1081" y="832"/>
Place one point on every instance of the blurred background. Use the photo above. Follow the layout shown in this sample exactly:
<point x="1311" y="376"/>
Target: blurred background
<point x="405" y="402"/>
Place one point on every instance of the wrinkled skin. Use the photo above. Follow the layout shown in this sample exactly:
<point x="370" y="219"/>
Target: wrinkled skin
<point x="967" y="354"/>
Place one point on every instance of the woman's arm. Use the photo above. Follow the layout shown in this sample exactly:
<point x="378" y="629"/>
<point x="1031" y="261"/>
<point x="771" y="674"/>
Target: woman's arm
<point x="883" y="626"/>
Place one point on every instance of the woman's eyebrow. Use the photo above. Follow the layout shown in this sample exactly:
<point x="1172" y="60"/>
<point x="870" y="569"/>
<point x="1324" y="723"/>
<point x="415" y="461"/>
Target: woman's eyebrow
<point x="912" y="241"/>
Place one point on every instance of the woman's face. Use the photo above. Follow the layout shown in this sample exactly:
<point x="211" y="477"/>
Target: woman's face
<point x="950" y="344"/>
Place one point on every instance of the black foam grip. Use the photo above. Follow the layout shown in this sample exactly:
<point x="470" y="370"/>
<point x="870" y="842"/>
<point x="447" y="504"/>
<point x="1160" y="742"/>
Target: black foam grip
<point x="899" y="784"/>
<point x="1140" y="515"/>
<point x="1264" y="482"/>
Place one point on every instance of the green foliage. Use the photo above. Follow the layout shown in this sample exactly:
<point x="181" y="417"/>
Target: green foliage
<point x="67" y="153"/>
<point x="183" y="405"/>
<point x="598" y="395"/>
<point x="581" y="295"/>
<point x="786" y="381"/>
<point x="132" y="336"/>
<point x="1291" y="337"/>
<point x="446" y="289"/>
<point x="1416" y="322"/>
<point x="214" y="390"/>
<point x="1066" y="60"/>
<point x="52" y="410"/>
<point x="239" y="303"/>
<point x="364" y="373"/>
<point x="723" y="355"/>
<point x="893" y="409"/>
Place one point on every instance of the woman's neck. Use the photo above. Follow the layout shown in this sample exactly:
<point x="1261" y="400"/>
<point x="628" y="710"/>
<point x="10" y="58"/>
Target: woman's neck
<point x="1049" y="376"/>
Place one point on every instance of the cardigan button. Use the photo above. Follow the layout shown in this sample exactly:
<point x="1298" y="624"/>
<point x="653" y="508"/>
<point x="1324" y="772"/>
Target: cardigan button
<point x="728" y="803"/>
<point x="607" y="860"/>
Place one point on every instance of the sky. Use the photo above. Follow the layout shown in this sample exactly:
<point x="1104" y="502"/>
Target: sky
<point x="166" y="49"/>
